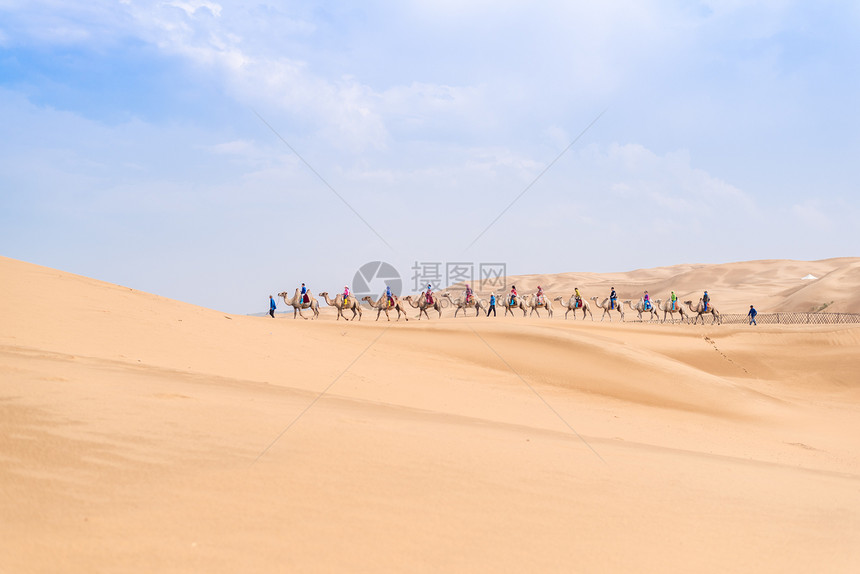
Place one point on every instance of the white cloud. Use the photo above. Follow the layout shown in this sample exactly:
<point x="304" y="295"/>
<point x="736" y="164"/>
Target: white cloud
<point x="191" y="7"/>
<point x="633" y="173"/>
<point x="810" y="214"/>
<point x="430" y="118"/>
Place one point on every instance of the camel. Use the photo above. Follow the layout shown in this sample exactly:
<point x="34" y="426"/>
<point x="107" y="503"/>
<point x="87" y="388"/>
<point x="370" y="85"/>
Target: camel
<point x="699" y="310"/>
<point x="640" y="308"/>
<point x="667" y="309"/>
<point x="382" y="305"/>
<point x="505" y="301"/>
<point x="422" y="305"/>
<point x="352" y="305"/>
<point x="460" y="304"/>
<point x="606" y="310"/>
<point x="313" y="305"/>
<point x="531" y="302"/>
<point x="571" y="306"/>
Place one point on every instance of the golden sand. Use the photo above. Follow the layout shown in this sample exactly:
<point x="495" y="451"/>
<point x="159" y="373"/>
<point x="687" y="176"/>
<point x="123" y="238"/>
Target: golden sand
<point x="140" y="434"/>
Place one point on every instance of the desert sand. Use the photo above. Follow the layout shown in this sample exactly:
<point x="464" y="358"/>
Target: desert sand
<point x="771" y="285"/>
<point x="141" y="434"/>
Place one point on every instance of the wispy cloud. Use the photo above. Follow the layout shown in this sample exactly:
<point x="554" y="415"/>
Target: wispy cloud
<point x="426" y="116"/>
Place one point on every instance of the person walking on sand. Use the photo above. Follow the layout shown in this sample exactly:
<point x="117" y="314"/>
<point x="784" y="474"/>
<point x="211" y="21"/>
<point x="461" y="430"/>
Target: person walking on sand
<point x="492" y="305"/>
<point x="272" y="306"/>
<point x="752" y="315"/>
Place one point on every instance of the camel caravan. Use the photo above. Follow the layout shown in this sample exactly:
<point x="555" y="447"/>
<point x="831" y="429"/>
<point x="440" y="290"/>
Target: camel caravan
<point x="349" y="306"/>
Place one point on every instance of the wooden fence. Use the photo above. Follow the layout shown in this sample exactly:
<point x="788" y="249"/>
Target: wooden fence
<point x="792" y="318"/>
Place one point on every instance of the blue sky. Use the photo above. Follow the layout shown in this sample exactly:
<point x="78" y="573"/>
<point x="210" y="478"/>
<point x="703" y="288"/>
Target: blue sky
<point x="133" y="148"/>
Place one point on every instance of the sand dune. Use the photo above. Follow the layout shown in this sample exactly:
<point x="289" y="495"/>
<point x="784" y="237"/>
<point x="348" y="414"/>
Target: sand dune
<point x="770" y="285"/>
<point x="140" y="434"/>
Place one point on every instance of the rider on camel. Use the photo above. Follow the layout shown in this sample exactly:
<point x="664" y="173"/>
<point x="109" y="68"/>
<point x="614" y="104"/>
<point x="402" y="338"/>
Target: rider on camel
<point x="613" y="297"/>
<point x="513" y="294"/>
<point x="577" y="297"/>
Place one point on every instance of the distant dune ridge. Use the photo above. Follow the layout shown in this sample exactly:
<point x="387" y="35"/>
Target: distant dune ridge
<point x="141" y="434"/>
<point x="771" y="285"/>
